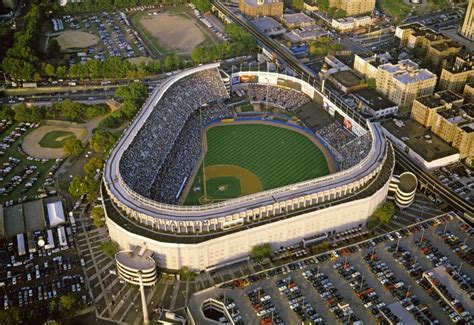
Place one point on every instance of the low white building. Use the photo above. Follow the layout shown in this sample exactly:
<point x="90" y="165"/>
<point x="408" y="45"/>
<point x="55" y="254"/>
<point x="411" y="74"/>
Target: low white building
<point x="350" y="23"/>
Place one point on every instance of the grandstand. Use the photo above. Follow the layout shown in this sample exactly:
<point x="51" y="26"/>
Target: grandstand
<point x="152" y="163"/>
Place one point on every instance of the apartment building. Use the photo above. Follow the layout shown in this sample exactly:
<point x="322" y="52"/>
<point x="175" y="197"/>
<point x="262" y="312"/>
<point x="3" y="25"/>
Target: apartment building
<point x="455" y="74"/>
<point x="467" y="28"/>
<point x="403" y="82"/>
<point x="468" y="92"/>
<point x="353" y="7"/>
<point x="424" y="108"/>
<point x="367" y="63"/>
<point x="437" y="46"/>
<point x="256" y="8"/>
<point x="456" y="125"/>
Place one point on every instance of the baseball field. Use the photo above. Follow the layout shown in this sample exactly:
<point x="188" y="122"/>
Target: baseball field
<point x="243" y="159"/>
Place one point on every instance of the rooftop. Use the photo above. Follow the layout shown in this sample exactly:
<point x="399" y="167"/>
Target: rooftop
<point x="407" y="71"/>
<point x="267" y="24"/>
<point x="468" y="128"/>
<point x="139" y="259"/>
<point x="297" y="18"/>
<point x="374" y="100"/>
<point x="439" y="99"/>
<point x="253" y="3"/>
<point x="347" y="78"/>
<point x="420" y="139"/>
<point x="445" y="46"/>
<point x="407" y="182"/>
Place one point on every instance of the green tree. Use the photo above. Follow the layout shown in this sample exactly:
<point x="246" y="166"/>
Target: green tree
<point x="84" y="185"/>
<point x="371" y="83"/>
<point x="24" y="113"/>
<point x="260" y="252"/>
<point x="98" y="216"/>
<point x="186" y="274"/>
<point x="91" y="166"/>
<point x="10" y="317"/>
<point x="382" y="215"/>
<point x="73" y="147"/>
<point x="202" y="5"/>
<point x="102" y="140"/>
<point x="6" y="112"/>
<point x="297" y="4"/>
<point x="171" y="62"/>
<point x="110" y="248"/>
<point x="67" y="302"/>
<point x="49" y="70"/>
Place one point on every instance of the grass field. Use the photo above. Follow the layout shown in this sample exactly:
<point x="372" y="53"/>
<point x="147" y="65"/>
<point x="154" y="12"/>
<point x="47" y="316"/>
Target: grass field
<point x="247" y="108"/>
<point x="55" y="139"/>
<point x="396" y="8"/>
<point x="276" y="156"/>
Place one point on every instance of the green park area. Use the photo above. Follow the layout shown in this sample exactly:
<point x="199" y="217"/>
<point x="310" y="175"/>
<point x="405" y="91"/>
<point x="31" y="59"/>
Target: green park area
<point x="56" y="139"/>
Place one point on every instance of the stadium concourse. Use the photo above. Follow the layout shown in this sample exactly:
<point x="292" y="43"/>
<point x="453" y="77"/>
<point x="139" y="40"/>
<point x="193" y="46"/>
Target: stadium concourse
<point x="156" y="156"/>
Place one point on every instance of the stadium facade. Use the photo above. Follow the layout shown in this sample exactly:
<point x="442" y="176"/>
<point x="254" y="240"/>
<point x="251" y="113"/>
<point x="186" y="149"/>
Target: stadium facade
<point x="204" y="236"/>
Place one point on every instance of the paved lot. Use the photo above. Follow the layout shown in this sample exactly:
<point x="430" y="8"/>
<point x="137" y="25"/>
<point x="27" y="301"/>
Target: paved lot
<point x="348" y="294"/>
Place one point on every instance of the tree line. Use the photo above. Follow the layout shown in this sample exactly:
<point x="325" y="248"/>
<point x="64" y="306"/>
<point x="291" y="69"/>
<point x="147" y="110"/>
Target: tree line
<point x="96" y="5"/>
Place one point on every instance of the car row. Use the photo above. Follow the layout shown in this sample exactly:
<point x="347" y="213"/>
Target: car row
<point x="297" y="301"/>
<point x="366" y="294"/>
<point x="326" y="290"/>
<point x="398" y="289"/>
<point x="263" y="305"/>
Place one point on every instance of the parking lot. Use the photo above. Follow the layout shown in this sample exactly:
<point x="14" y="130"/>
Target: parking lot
<point x="378" y="280"/>
<point x="22" y="177"/>
<point x="117" y="37"/>
<point x="458" y="178"/>
<point x="35" y="277"/>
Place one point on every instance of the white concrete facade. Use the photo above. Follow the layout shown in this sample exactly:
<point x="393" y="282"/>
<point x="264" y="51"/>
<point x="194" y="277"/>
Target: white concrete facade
<point x="232" y="246"/>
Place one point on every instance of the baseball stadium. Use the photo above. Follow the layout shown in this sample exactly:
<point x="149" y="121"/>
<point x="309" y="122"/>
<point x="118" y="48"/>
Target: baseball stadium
<point x="200" y="182"/>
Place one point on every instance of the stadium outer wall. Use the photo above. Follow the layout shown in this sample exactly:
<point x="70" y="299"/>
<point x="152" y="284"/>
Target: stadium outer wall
<point x="177" y="243"/>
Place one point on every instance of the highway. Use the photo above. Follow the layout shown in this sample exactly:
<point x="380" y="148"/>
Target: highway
<point x="282" y="53"/>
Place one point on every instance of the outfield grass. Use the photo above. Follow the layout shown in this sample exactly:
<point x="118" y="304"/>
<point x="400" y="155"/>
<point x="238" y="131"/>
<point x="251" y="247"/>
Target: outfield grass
<point x="278" y="156"/>
<point x="55" y="139"/>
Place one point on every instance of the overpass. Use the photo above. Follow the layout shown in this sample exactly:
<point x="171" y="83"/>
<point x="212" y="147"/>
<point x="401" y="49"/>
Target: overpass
<point x="283" y="54"/>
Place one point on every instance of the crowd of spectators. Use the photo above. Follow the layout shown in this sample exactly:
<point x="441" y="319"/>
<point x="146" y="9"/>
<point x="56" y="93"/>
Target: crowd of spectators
<point x="348" y="149"/>
<point x="336" y="135"/>
<point x="281" y="97"/>
<point x="184" y="156"/>
<point x="143" y="159"/>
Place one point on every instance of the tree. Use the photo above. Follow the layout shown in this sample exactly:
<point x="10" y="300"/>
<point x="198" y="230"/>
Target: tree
<point x="49" y="70"/>
<point x="73" y="147"/>
<point x="6" y="112"/>
<point x="98" y="216"/>
<point x="84" y="185"/>
<point x="67" y="302"/>
<point x="382" y="215"/>
<point x="186" y="274"/>
<point x="297" y="4"/>
<point x="171" y="62"/>
<point x="202" y="5"/>
<point x="93" y="165"/>
<point x="110" y="248"/>
<point x="102" y="140"/>
<point x="371" y="83"/>
<point x="10" y="317"/>
<point x="260" y="252"/>
<point x="24" y="113"/>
